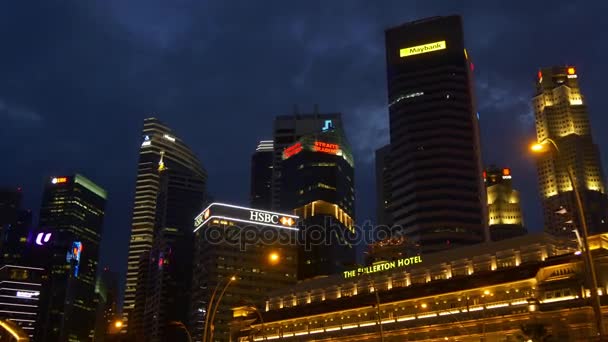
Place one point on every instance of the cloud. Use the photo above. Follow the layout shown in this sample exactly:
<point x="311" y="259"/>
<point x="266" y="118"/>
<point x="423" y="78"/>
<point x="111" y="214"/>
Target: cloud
<point x="19" y="114"/>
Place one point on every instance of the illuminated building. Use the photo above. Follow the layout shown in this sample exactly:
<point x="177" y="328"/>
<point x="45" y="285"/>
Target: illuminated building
<point x="20" y="292"/>
<point x="288" y="129"/>
<point x="485" y="292"/>
<point x="261" y="175"/>
<point x="15" y="223"/>
<point x="561" y="115"/>
<point x="72" y="211"/>
<point x="157" y="140"/>
<point x="256" y="247"/>
<point x="168" y="270"/>
<point x="504" y="208"/>
<point x="437" y="194"/>
<point x="318" y="186"/>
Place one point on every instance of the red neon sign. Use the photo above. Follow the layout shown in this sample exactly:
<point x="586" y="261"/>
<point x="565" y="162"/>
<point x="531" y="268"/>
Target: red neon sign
<point x="324" y="147"/>
<point x="292" y="150"/>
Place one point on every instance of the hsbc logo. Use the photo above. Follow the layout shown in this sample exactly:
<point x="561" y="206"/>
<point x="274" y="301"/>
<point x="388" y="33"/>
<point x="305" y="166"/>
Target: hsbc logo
<point x="263" y="217"/>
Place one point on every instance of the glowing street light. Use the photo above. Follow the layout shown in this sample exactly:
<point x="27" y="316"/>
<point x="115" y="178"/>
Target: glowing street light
<point x="588" y="260"/>
<point x="274" y="258"/>
<point x="118" y="324"/>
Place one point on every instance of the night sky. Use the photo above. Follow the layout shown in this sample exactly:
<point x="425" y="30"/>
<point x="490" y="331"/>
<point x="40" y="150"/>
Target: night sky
<point x="78" y="77"/>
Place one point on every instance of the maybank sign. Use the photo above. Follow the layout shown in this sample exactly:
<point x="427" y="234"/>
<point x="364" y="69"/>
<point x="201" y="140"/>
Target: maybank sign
<point x="383" y="266"/>
<point x="416" y="50"/>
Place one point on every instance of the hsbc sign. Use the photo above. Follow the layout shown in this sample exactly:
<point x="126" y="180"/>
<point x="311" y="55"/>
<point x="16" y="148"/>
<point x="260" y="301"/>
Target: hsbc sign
<point x="221" y="213"/>
<point x="263" y="217"/>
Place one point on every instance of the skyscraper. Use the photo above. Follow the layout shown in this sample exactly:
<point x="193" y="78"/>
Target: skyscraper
<point x="170" y="183"/>
<point x="287" y="130"/>
<point x="261" y="175"/>
<point x="72" y="211"/>
<point x="317" y="184"/>
<point x="169" y="274"/>
<point x="561" y="116"/>
<point x="504" y="208"/>
<point x="383" y="187"/>
<point x="242" y="254"/>
<point x="15" y="224"/>
<point x="437" y="194"/>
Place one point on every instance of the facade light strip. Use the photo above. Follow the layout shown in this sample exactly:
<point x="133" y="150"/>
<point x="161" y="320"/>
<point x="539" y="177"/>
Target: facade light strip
<point x="316" y="331"/>
<point x="558" y="299"/>
<point x="19" y="312"/>
<point x="366" y="324"/>
<point x="15" y="304"/>
<point x="408" y="318"/>
<point x="332" y="329"/>
<point x="19" y="282"/>
<point x="245" y="208"/>
<point x="23" y="267"/>
<point x="244" y="221"/>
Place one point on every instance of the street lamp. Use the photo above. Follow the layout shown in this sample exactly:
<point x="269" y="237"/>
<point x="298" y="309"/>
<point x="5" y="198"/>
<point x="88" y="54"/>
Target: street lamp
<point x="212" y="310"/>
<point x="118" y="324"/>
<point x="544" y="146"/>
<point x="274" y="258"/>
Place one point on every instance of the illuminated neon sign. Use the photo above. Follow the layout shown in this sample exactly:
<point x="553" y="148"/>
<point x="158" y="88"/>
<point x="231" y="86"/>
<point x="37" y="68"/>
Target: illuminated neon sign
<point x="327" y="126"/>
<point x="292" y="150"/>
<point x="383" y="266"/>
<point x="74" y="256"/>
<point x="59" y="180"/>
<point x="235" y="213"/>
<point x="27" y="294"/>
<point x="324" y="147"/>
<point x="42" y="238"/>
<point x="425" y="48"/>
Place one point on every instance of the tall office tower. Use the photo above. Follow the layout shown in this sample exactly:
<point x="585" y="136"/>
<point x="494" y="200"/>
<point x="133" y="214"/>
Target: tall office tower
<point x="160" y="150"/>
<point x="20" y="290"/>
<point x="504" y="208"/>
<point x="169" y="275"/>
<point x="241" y="255"/>
<point x="107" y="289"/>
<point x="437" y="193"/>
<point x="261" y="175"/>
<point x="287" y="130"/>
<point x="72" y="213"/>
<point x="15" y="223"/>
<point x="383" y="187"/>
<point x="318" y="185"/>
<point x="561" y="115"/>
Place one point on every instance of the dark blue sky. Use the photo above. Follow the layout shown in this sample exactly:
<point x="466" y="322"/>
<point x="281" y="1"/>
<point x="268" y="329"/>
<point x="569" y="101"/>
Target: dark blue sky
<point x="78" y="77"/>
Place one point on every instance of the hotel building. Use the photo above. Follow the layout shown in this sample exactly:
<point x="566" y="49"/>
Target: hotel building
<point x="487" y="292"/>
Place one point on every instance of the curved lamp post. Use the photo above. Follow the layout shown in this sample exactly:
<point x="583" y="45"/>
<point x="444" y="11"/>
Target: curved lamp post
<point x="595" y="299"/>
<point x="211" y="310"/>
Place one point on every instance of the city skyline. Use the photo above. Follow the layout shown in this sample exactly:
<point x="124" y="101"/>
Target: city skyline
<point x="112" y="164"/>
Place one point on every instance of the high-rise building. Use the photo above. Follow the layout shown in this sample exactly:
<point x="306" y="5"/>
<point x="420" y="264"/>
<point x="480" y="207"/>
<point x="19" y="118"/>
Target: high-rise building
<point x="261" y="175"/>
<point x="561" y="115"/>
<point x="107" y="311"/>
<point x="287" y="130"/>
<point x="317" y="184"/>
<point x="20" y="289"/>
<point x="170" y="183"/>
<point x="241" y="255"/>
<point x="71" y="214"/>
<point x="504" y="208"/>
<point x="15" y="225"/>
<point x="383" y="187"/>
<point x="437" y="193"/>
<point x="169" y="274"/>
